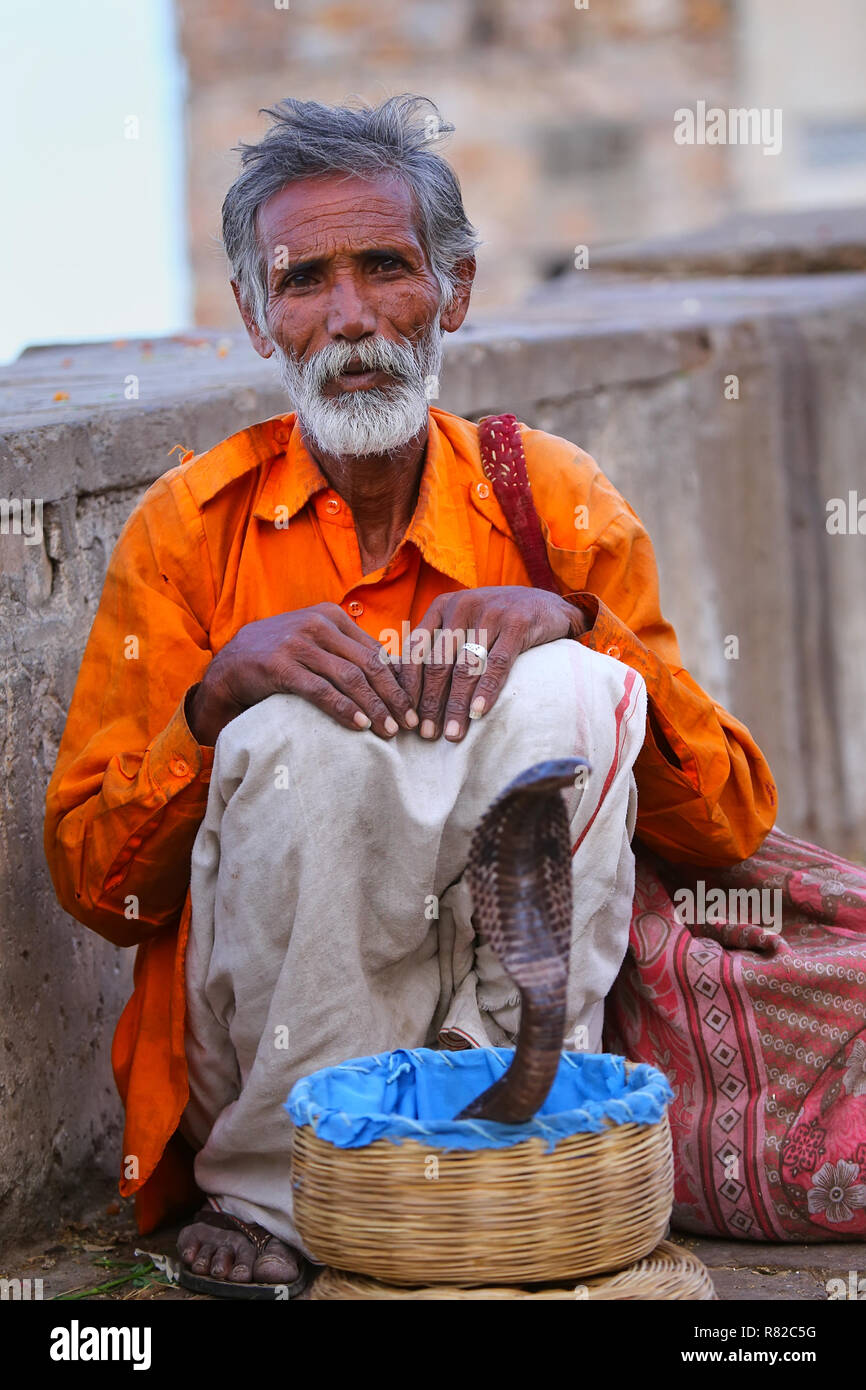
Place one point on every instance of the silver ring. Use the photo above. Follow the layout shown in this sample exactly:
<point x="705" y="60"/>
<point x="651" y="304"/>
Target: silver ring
<point x="476" y="649"/>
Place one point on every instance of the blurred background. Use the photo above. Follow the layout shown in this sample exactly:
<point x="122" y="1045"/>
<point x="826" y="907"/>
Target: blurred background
<point x="121" y="116"/>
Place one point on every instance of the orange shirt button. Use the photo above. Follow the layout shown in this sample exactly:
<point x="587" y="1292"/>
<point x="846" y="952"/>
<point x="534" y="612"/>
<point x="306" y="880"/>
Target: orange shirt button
<point x="356" y="608"/>
<point x="179" y="767"/>
<point x="281" y="435"/>
<point x="614" y="652"/>
<point x="332" y="505"/>
<point x="482" y="489"/>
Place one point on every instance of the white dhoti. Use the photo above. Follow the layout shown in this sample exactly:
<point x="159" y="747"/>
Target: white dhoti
<point x="330" y="913"/>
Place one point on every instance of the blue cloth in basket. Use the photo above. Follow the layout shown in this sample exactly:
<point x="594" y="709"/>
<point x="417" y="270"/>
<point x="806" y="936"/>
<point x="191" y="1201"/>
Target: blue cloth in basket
<point x="415" y="1094"/>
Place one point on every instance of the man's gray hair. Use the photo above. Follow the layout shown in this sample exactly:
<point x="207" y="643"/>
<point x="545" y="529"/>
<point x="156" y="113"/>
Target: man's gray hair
<point x="308" y="138"/>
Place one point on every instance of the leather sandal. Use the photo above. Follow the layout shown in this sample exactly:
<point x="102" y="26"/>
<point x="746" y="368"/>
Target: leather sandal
<point x="260" y="1239"/>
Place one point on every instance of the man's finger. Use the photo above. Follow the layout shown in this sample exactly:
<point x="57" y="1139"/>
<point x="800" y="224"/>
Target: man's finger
<point x="448" y="659"/>
<point x="417" y="650"/>
<point x="468" y="670"/>
<point x="325" y="696"/>
<point x="436" y="673"/>
<point x="500" y="659"/>
<point x="371" y="659"/>
<point x="348" y="677"/>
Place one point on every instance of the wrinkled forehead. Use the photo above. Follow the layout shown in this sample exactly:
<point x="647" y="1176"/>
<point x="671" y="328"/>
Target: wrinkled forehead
<point x="338" y="214"/>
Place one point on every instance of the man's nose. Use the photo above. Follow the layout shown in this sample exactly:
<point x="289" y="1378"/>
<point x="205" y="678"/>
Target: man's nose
<point x="350" y="314"/>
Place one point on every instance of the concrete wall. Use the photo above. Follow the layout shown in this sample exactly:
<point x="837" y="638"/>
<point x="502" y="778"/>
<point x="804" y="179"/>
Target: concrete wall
<point x="733" y="491"/>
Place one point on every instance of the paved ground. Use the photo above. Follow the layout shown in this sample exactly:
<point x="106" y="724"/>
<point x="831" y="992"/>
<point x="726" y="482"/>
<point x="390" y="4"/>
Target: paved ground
<point x="95" y="1258"/>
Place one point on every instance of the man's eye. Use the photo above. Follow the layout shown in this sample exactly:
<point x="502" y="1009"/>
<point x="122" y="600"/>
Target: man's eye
<point x="388" y="263"/>
<point x="297" y="280"/>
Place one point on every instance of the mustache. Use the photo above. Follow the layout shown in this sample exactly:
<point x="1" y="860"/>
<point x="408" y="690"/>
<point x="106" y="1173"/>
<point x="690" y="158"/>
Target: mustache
<point x="374" y="354"/>
<point x="376" y="421"/>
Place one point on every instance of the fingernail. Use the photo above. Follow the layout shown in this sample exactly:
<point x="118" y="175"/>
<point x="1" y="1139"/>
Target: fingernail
<point x="428" y="728"/>
<point x="476" y="709"/>
<point x="361" y="720"/>
<point x="411" y="718"/>
<point x="391" y="725"/>
<point x="452" y="729"/>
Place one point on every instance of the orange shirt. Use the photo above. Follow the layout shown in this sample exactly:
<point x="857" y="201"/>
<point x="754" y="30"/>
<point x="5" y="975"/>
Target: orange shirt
<point x="249" y="529"/>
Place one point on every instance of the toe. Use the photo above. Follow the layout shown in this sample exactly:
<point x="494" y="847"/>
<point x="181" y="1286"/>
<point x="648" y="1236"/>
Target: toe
<point x="188" y="1245"/>
<point x="278" y="1265"/>
<point x="201" y="1263"/>
<point x="222" y="1262"/>
<point x="242" y="1269"/>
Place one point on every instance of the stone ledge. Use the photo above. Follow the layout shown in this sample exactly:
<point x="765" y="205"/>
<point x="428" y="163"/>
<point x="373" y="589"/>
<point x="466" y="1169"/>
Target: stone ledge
<point x="805" y="242"/>
<point x="195" y="389"/>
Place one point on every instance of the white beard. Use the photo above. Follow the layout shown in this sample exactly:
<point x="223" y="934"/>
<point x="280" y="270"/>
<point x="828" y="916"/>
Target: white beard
<point x="377" y="421"/>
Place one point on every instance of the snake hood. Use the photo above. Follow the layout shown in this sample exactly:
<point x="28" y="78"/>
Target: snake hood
<point x="519" y="874"/>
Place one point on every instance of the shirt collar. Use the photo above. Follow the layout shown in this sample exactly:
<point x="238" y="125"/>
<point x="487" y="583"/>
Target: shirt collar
<point x="210" y="473"/>
<point x="440" y="524"/>
<point x="294" y="476"/>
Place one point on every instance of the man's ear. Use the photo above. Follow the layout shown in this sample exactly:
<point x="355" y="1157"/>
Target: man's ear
<point x="452" y="317"/>
<point x="263" y="346"/>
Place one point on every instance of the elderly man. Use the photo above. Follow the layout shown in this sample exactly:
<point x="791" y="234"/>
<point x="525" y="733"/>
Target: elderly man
<point x="271" y="794"/>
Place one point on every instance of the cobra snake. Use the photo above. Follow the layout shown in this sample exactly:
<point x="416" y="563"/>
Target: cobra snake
<point x="519" y="874"/>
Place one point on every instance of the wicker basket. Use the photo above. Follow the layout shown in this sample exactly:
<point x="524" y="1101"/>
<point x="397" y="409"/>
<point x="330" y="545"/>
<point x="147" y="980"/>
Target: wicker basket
<point x="408" y="1214"/>
<point x="668" y="1274"/>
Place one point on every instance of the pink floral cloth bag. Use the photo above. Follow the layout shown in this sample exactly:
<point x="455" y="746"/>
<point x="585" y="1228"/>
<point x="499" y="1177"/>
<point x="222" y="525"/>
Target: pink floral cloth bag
<point x="762" y="1035"/>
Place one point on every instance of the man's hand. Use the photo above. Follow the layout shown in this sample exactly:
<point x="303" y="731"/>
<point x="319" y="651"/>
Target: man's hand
<point x="449" y="686"/>
<point x="318" y="653"/>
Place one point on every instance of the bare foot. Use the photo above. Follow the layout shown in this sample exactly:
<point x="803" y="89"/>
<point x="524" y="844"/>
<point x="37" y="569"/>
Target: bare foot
<point x="220" y="1251"/>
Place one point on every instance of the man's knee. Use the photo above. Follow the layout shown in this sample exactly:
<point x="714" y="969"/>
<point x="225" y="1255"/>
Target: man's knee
<point x="286" y="728"/>
<point x="555" y="677"/>
<point x="291" y="759"/>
